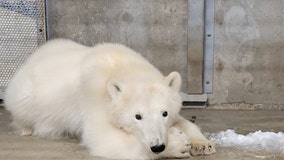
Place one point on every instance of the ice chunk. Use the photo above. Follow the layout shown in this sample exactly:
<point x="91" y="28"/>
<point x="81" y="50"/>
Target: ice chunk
<point x="258" y="140"/>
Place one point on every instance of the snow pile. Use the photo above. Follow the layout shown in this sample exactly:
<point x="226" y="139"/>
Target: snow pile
<point x="269" y="141"/>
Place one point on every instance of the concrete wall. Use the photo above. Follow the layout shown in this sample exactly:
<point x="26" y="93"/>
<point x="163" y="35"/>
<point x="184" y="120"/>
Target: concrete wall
<point x="169" y="33"/>
<point x="249" y="53"/>
<point x="157" y="29"/>
<point x="249" y="41"/>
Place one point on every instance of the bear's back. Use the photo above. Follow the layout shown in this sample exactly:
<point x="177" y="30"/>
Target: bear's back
<point x="119" y="61"/>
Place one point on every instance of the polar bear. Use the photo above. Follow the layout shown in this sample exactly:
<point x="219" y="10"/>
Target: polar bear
<point x="113" y="99"/>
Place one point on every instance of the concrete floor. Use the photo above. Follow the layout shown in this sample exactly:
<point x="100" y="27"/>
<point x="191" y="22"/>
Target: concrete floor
<point x="13" y="146"/>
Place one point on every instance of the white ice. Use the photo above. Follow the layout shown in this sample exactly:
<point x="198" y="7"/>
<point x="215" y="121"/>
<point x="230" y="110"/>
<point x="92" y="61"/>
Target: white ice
<point x="255" y="141"/>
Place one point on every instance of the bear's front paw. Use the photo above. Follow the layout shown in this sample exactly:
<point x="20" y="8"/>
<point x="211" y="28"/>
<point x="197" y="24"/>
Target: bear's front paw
<point x="178" y="144"/>
<point x="202" y="147"/>
<point x="26" y="131"/>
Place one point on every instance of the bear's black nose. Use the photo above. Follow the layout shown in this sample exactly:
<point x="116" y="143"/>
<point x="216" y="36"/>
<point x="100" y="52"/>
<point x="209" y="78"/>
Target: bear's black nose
<point x="158" y="148"/>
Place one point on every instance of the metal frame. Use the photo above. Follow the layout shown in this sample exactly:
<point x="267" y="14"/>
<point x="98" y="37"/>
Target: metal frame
<point x="208" y="46"/>
<point x="200" y="100"/>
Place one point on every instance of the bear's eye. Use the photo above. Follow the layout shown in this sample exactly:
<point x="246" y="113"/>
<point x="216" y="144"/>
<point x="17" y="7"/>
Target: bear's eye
<point x="138" y="116"/>
<point x="165" y="114"/>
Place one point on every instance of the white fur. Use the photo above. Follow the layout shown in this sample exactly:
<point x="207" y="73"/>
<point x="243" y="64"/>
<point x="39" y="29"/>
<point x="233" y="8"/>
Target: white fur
<point x="95" y="93"/>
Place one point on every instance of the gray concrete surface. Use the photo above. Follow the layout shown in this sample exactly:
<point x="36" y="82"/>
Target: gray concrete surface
<point x="13" y="146"/>
<point x="248" y="55"/>
<point x="157" y="29"/>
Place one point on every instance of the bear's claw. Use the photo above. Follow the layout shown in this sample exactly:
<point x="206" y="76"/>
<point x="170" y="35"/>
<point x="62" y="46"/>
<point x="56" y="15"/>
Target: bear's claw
<point x="203" y="147"/>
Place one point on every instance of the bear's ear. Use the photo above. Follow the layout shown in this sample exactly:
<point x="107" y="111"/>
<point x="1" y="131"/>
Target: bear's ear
<point x="173" y="80"/>
<point x="113" y="88"/>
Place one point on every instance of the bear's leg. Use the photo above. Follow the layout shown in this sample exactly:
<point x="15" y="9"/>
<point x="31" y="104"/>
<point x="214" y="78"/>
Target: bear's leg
<point x="21" y="127"/>
<point x="199" y="144"/>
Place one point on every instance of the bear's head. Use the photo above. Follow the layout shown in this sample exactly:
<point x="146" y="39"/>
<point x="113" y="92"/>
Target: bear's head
<point x="146" y="109"/>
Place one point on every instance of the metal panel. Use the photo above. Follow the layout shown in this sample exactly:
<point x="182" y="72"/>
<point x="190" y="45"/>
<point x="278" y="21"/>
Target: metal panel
<point x="209" y="46"/>
<point x="22" y="29"/>
<point x="155" y="28"/>
<point x="195" y="46"/>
